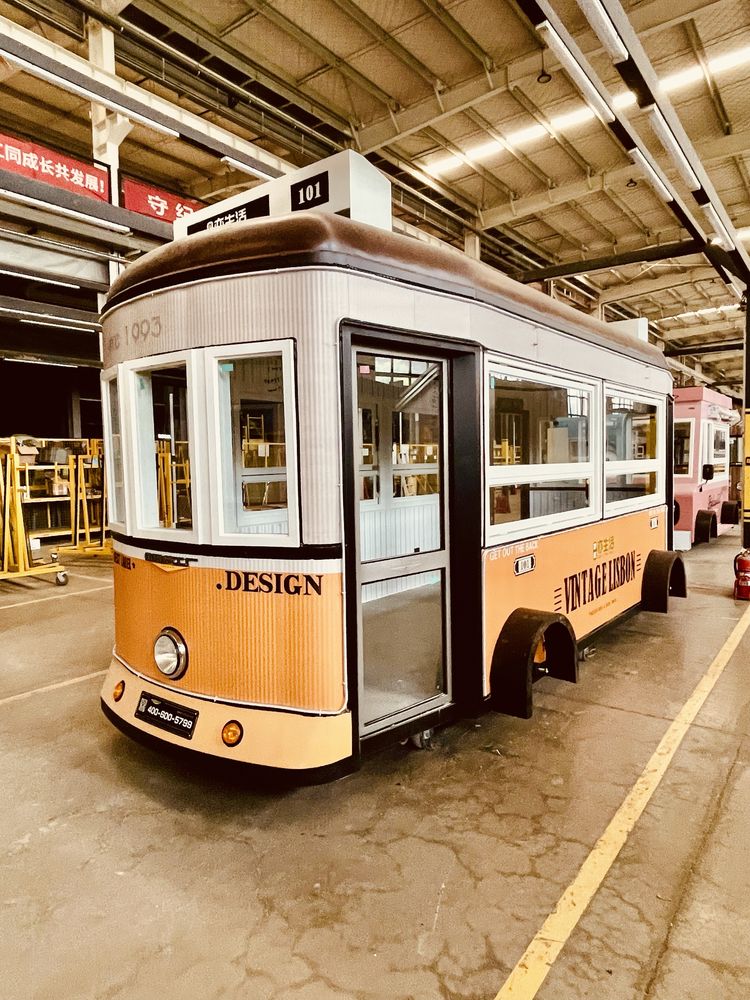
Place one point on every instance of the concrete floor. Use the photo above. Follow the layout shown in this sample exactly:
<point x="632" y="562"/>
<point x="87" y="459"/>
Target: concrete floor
<point x="423" y="876"/>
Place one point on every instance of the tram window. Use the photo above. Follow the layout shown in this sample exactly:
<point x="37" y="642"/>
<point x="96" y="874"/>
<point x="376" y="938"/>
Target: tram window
<point x="634" y="430"/>
<point x="532" y="422"/>
<point x="415" y="484"/>
<point x="399" y="448"/>
<point x="719" y="447"/>
<point x="253" y="444"/>
<point x="631" y="429"/>
<point x="415" y="438"/>
<point x="682" y="446"/>
<point x="369" y="465"/>
<point x="630" y="485"/>
<point x="164" y="447"/>
<point x="114" y="453"/>
<point x="515" y="502"/>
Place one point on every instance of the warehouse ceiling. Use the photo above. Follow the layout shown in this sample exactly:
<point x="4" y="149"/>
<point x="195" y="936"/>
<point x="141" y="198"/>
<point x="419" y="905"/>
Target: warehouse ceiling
<point x="560" y="171"/>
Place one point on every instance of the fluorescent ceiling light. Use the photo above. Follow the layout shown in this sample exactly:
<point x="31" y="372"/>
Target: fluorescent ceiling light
<point x="53" y="364"/>
<point x="625" y="99"/>
<point x="669" y="141"/>
<point x="61" y="325"/>
<point x="730" y="60"/>
<point x="708" y="311"/>
<point x="582" y="115"/>
<point x="578" y="117"/>
<point x="658" y="184"/>
<point x="58" y="210"/>
<point x="600" y="21"/>
<point x="246" y="168"/>
<point x="58" y="319"/>
<point x="574" y="68"/>
<point x="36" y="277"/>
<point x="723" y="236"/>
<point x="74" y="88"/>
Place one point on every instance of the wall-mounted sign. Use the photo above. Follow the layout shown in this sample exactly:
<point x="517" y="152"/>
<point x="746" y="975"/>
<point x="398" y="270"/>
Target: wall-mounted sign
<point x="21" y="156"/>
<point x="343" y="184"/>
<point x="159" y="204"/>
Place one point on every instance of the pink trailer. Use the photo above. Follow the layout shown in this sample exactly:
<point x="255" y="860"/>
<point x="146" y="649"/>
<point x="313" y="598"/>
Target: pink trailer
<point x="702" y="419"/>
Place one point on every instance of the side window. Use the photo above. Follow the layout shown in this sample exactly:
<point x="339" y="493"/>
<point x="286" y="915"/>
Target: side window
<point x="540" y="451"/>
<point x="683" y="440"/>
<point x="113" y="451"/>
<point x="719" y="448"/>
<point x="634" y="432"/>
<point x="163" y="450"/>
<point x="254" y="407"/>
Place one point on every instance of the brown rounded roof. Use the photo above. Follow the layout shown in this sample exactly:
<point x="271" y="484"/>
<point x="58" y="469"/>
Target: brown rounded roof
<point x="308" y="239"/>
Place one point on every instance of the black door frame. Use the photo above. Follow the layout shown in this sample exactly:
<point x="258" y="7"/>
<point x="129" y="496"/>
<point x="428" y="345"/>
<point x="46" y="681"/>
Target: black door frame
<point x="464" y="385"/>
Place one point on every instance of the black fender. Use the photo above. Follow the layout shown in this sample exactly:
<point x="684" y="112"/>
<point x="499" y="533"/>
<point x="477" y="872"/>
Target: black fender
<point x="730" y="512"/>
<point x="705" y="526"/>
<point x="513" y="662"/>
<point x="676" y="511"/>
<point x="663" y="577"/>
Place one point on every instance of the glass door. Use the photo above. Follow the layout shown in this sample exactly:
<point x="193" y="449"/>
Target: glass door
<point x="400" y="463"/>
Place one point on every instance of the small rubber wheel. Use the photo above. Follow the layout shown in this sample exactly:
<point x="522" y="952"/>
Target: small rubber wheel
<point x="423" y="740"/>
<point x="61" y="578"/>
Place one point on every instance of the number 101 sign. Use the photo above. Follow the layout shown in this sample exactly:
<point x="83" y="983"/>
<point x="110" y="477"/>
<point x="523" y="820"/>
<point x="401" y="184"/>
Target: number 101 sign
<point x="343" y="184"/>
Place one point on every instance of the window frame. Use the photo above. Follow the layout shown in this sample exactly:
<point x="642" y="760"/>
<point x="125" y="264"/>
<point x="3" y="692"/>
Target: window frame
<point x="691" y="450"/>
<point x="109" y="376"/>
<point x="519" y="475"/>
<point x="285" y="348"/>
<point x="613" y="508"/>
<point x="193" y="362"/>
<point x="712" y="426"/>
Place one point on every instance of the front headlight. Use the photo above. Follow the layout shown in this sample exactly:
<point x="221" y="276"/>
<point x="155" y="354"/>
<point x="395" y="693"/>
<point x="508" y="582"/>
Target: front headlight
<point x="170" y="653"/>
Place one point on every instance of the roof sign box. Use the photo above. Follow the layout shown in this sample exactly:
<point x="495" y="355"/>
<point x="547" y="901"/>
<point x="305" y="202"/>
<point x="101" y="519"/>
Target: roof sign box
<point x="343" y="184"/>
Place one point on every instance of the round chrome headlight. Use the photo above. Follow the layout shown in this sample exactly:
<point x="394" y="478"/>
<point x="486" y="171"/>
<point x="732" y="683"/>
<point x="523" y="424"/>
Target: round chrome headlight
<point x="170" y="653"/>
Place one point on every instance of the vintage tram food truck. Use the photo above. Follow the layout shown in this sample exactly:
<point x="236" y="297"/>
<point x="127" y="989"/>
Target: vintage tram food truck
<point x="703" y="510"/>
<point x="360" y="486"/>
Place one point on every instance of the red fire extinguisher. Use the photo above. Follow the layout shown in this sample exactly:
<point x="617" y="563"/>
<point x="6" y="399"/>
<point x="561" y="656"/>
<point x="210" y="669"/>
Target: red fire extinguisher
<point x="742" y="576"/>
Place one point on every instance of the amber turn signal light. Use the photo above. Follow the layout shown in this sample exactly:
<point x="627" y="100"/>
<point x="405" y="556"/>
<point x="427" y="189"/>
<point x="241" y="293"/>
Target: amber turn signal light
<point x="119" y="690"/>
<point x="231" y="734"/>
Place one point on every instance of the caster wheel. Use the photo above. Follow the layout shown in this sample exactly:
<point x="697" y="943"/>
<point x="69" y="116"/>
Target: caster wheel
<point x="423" y="740"/>
<point x="54" y="556"/>
<point x="61" y="578"/>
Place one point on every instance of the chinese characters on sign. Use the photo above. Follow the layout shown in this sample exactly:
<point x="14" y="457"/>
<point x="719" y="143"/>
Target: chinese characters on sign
<point x="255" y="208"/>
<point x="41" y="164"/>
<point x="153" y="201"/>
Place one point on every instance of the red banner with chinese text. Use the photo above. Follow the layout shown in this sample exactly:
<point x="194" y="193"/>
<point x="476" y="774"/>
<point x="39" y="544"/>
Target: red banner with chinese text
<point x="21" y="156"/>
<point x="157" y="203"/>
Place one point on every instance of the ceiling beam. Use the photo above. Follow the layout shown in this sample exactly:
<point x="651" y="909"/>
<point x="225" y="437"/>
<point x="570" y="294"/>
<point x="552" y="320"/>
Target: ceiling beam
<point x="535" y="204"/>
<point x="648" y="286"/>
<point x="461" y="35"/>
<point x="668" y="251"/>
<point x="329" y="57"/>
<point x="198" y="31"/>
<point x="388" y="42"/>
<point x="653" y="15"/>
<point x="45" y="57"/>
<point x="638" y="73"/>
<point x="729" y="347"/>
<point x="698" y="330"/>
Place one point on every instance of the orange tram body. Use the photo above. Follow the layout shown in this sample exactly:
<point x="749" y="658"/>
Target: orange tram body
<point x="360" y="486"/>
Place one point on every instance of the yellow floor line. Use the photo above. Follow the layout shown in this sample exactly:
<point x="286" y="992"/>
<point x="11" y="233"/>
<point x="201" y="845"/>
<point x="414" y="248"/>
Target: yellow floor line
<point x="55" y="597"/>
<point x="527" y="977"/>
<point x="75" y="575"/>
<point x="51" y="687"/>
